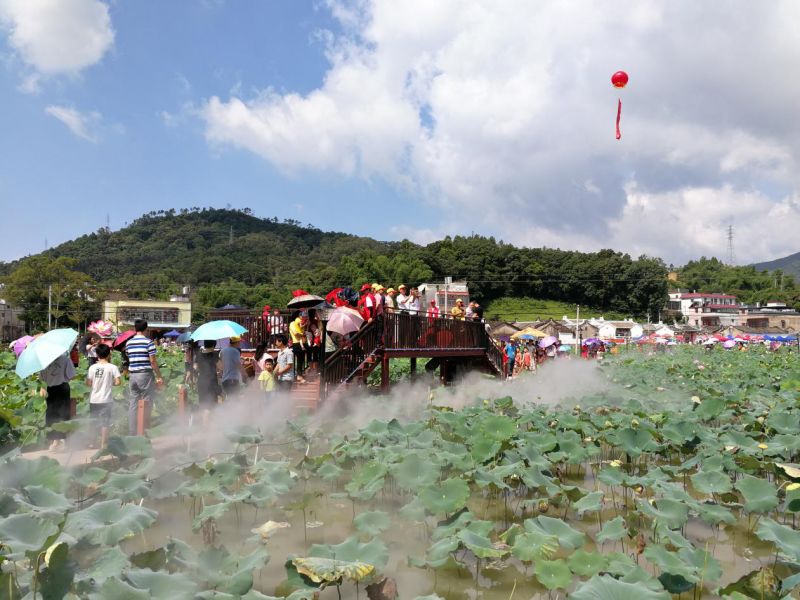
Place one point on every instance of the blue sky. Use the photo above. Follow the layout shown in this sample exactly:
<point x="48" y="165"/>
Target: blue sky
<point x="166" y="55"/>
<point x="407" y="119"/>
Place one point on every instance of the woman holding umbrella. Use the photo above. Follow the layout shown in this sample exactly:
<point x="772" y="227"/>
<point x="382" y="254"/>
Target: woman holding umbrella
<point x="49" y="355"/>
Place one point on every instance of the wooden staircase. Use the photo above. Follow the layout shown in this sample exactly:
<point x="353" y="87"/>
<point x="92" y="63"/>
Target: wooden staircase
<point x="306" y="396"/>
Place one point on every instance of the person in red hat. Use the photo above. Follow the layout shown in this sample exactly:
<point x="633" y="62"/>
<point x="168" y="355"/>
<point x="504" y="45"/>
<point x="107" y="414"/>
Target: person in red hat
<point x="366" y="303"/>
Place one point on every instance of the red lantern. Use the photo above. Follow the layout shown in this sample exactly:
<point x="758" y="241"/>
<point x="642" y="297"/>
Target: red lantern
<point x="619" y="79"/>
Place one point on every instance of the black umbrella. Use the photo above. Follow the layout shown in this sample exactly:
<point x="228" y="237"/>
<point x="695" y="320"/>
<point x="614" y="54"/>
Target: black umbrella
<point x="305" y="301"/>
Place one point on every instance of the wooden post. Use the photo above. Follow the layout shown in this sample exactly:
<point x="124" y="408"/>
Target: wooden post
<point x="413" y="367"/>
<point x="385" y="382"/>
<point x="182" y="395"/>
<point x="443" y="371"/>
<point x="142" y="417"/>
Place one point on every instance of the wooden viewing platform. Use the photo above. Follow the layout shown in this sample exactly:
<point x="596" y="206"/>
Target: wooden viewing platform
<point x="454" y="346"/>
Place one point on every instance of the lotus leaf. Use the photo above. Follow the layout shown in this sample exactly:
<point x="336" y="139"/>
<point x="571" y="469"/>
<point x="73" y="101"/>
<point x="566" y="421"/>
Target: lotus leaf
<point x="553" y="574"/>
<point x="107" y="564"/>
<point x="446" y="497"/>
<point x="415" y="471"/>
<point x="44" y="471"/>
<point x="711" y="482"/>
<point x="481" y="546"/>
<point x="633" y="442"/>
<point x="671" y="513"/>
<point x="534" y="545"/>
<point x="125" y="486"/>
<point x="586" y="564"/>
<point x="590" y="502"/>
<point x="245" y="434"/>
<point x="123" y="447"/>
<point x="351" y="550"/>
<point x="229" y="573"/>
<point x="26" y="533"/>
<point x="119" y="590"/>
<point x="40" y="499"/>
<point x="605" y="587"/>
<point x="372" y="523"/>
<point x="330" y="570"/>
<point x="413" y="511"/>
<point x="109" y="522"/>
<point x="759" y="495"/>
<point x="438" y="554"/>
<point x="568" y="537"/>
<point x="162" y="586"/>
<point x="786" y="539"/>
<point x="612" y="531"/>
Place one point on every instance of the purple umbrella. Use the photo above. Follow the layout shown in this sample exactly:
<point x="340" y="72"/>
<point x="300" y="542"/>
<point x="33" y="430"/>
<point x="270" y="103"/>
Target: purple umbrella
<point x="548" y="341"/>
<point x="591" y="342"/>
<point x="19" y="345"/>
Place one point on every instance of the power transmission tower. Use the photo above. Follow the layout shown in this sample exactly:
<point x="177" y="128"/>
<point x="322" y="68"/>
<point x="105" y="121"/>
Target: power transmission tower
<point x="731" y="255"/>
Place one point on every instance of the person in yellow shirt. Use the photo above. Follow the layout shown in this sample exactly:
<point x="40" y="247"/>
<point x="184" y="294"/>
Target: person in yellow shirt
<point x="297" y="331"/>
<point x="458" y="312"/>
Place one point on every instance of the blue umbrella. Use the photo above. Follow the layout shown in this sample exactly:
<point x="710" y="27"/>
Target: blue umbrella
<point x="186" y="336"/>
<point x="174" y="333"/>
<point x="217" y="330"/>
<point x="44" y="350"/>
<point x="527" y="336"/>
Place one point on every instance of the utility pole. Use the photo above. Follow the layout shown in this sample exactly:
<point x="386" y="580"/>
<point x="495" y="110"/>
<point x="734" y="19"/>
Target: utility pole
<point x="578" y="330"/>
<point x="49" y="305"/>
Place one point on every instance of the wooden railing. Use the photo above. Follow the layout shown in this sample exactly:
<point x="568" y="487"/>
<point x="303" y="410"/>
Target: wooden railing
<point x="406" y="331"/>
<point x="495" y="356"/>
<point x="342" y="365"/>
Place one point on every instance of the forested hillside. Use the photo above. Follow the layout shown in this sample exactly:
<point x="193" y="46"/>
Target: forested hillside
<point x="788" y="264"/>
<point x="232" y="256"/>
<point x="749" y="283"/>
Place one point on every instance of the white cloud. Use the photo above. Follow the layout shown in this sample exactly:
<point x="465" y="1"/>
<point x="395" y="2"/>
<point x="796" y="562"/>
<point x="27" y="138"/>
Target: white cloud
<point x="57" y="36"/>
<point x="503" y="113"/>
<point x="82" y="125"/>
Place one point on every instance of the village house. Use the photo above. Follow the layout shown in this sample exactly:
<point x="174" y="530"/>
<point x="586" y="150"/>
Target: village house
<point x="161" y="315"/>
<point x="12" y="326"/>
<point x="705" y="309"/>
<point x="445" y="293"/>
<point x="773" y="314"/>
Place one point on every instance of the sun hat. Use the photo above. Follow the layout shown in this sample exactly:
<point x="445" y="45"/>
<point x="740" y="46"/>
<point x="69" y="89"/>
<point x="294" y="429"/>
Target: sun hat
<point x="390" y="291"/>
<point x="235" y="338"/>
<point x="459" y="300"/>
<point x="366" y="287"/>
<point x="402" y="286"/>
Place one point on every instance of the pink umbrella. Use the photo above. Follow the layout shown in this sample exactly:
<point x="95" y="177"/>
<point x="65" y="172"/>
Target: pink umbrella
<point x="729" y="344"/>
<point x="119" y="342"/>
<point x="19" y="345"/>
<point x="548" y="341"/>
<point x="344" y="320"/>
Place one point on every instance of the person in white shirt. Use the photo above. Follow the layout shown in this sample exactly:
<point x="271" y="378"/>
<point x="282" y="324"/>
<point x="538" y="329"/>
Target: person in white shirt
<point x="102" y="377"/>
<point x="413" y="303"/>
<point x="389" y="299"/>
<point x="402" y="298"/>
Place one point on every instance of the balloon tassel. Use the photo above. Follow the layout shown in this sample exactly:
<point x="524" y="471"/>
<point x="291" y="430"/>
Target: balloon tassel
<point x="619" y="114"/>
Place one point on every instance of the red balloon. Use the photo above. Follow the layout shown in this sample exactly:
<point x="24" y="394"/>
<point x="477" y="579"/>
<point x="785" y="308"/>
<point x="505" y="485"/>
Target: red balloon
<point x="619" y="79"/>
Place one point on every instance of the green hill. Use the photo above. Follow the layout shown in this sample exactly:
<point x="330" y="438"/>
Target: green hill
<point x="231" y="256"/>
<point x="788" y="264"/>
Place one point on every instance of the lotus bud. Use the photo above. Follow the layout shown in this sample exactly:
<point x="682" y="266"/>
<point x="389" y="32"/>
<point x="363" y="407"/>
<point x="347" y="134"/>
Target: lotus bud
<point x="608" y="424"/>
<point x="638" y="489"/>
<point x="588" y="440"/>
<point x="696" y="399"/>
<point x="763" y="446"/>
<point x="616" y="463"/>
<point x="634" y="423"/>
<point x="760" y="419"/>
<point x="543" y="506"/>
<point x="792" y="486"/>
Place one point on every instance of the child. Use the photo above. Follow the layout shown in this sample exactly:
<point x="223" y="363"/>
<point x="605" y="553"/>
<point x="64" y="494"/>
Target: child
<point x="102" y="377"/>
<point x="267" y="378"/>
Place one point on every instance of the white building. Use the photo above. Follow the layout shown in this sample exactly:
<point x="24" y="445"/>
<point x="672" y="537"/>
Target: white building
<point x="617" y="329"/>
<point x="705" y="309"/>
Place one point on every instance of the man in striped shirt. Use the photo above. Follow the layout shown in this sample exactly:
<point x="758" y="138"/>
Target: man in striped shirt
<point x="143" y="367"/>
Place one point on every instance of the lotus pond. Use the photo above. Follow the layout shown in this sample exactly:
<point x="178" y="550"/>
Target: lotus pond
<point x="676" y="476"/>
